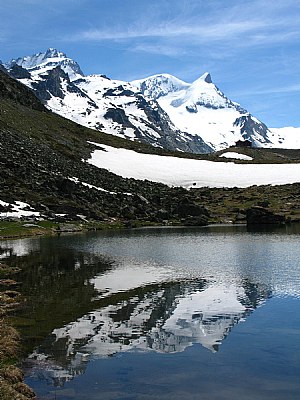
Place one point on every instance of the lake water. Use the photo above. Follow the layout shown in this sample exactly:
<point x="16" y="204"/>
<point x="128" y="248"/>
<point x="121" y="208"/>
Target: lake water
<point x="161" y="313"/>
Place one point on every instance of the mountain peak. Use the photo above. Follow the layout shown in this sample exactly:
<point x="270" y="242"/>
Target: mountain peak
<point x="159" y="85"/>
<point x="206" y="77"/>
<point x="49" y="59"/>
<point x="52" y="52"/>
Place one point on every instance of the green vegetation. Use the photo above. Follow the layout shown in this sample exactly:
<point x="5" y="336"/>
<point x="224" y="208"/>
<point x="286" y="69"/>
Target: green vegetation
<point x="11" y="229"/>
<point x="18" y="229"/>
<point x="230" y="204"/>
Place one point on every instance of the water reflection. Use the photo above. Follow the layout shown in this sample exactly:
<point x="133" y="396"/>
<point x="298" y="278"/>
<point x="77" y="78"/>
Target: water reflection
<point x="166" y="318"/>
<point x="84" y="302"/>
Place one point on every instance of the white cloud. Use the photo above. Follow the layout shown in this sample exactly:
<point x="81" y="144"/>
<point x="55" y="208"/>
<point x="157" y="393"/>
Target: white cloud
<point x="171" y="51"/>
<point x="218" y="31"/>
<point x="273" y="90"/>
<point x="259" y="21"/>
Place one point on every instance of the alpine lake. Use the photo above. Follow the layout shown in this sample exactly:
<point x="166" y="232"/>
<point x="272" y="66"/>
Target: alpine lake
<point x="210" y="313"/>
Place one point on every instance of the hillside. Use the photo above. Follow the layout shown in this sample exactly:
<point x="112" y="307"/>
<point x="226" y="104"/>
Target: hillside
<point x="43" y="159"/>
<point x="41" y="162"/>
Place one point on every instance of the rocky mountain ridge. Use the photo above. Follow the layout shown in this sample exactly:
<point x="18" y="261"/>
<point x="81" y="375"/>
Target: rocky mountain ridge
<point x="161" y="110"/>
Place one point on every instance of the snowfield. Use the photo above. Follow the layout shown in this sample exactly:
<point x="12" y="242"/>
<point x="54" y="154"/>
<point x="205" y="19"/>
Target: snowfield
<point x="188" y="173"/>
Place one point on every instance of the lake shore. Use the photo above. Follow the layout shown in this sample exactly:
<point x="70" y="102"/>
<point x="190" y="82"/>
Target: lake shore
<point x="12" y="384"/>
<point x="107" y="279"/>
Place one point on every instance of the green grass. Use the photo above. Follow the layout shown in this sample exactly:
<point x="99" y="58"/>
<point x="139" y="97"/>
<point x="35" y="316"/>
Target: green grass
<point x="11" y="229"/>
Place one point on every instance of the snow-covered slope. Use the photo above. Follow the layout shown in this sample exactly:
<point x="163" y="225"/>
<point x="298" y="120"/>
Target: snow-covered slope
<point x="203" y="110"/>
<point x="157" y="86"/>
<point x="161" y="110"/>
<point x="112" y="106"/>
<point x="189" y="173"/>
<point x="123" y="110"/>
<point x="285" y="138"/>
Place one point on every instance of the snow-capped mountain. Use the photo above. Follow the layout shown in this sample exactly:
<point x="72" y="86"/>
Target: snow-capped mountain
<point x="161" y="110"/>
<point x="203" y="110"/>
<point x="95" y="101"/>
<point x="40" y="63"/>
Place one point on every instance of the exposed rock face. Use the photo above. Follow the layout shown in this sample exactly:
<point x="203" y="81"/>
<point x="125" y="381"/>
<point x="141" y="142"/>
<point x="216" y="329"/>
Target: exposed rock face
<point x="51" y="85"/>
<point x="12" y="90"/>
<point x="17" y="72"/>
<point x="118" y="115"/>
<point x="250" y="128"/>
<point x="259" y="215"/>
<point x="2" y="68"/>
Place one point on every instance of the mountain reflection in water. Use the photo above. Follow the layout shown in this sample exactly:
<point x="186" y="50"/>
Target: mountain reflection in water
<point x="85" y="304"/>
<point x="165" y="317"/>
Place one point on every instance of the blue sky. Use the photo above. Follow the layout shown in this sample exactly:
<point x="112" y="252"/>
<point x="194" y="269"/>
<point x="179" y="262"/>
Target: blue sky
<point x="250" y="47"/>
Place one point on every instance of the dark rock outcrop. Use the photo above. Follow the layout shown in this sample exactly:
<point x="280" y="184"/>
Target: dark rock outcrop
<point x="11" y="89"/>
<point x="258" y="216"/>
<point x="201" y="220"/>
<point x="187" y="208"/>
<point x="250" y="128"/>
<point x="17" y="72"/>
<point x="2" y="68"/>
<point x="51" y="85"/>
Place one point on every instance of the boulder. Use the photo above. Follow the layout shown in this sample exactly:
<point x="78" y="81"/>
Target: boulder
<point x="258" y="215"/>
<point x="187" y="208"/>
<point x="201" y="220"/>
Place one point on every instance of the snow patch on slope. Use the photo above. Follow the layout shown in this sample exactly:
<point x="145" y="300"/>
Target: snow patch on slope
<point x="159" y="85"/>
<point x="236" y="156"/>
<point x="18" y="209"/>
<point x="188" y="173"/>
<point x="285" y="138"/>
